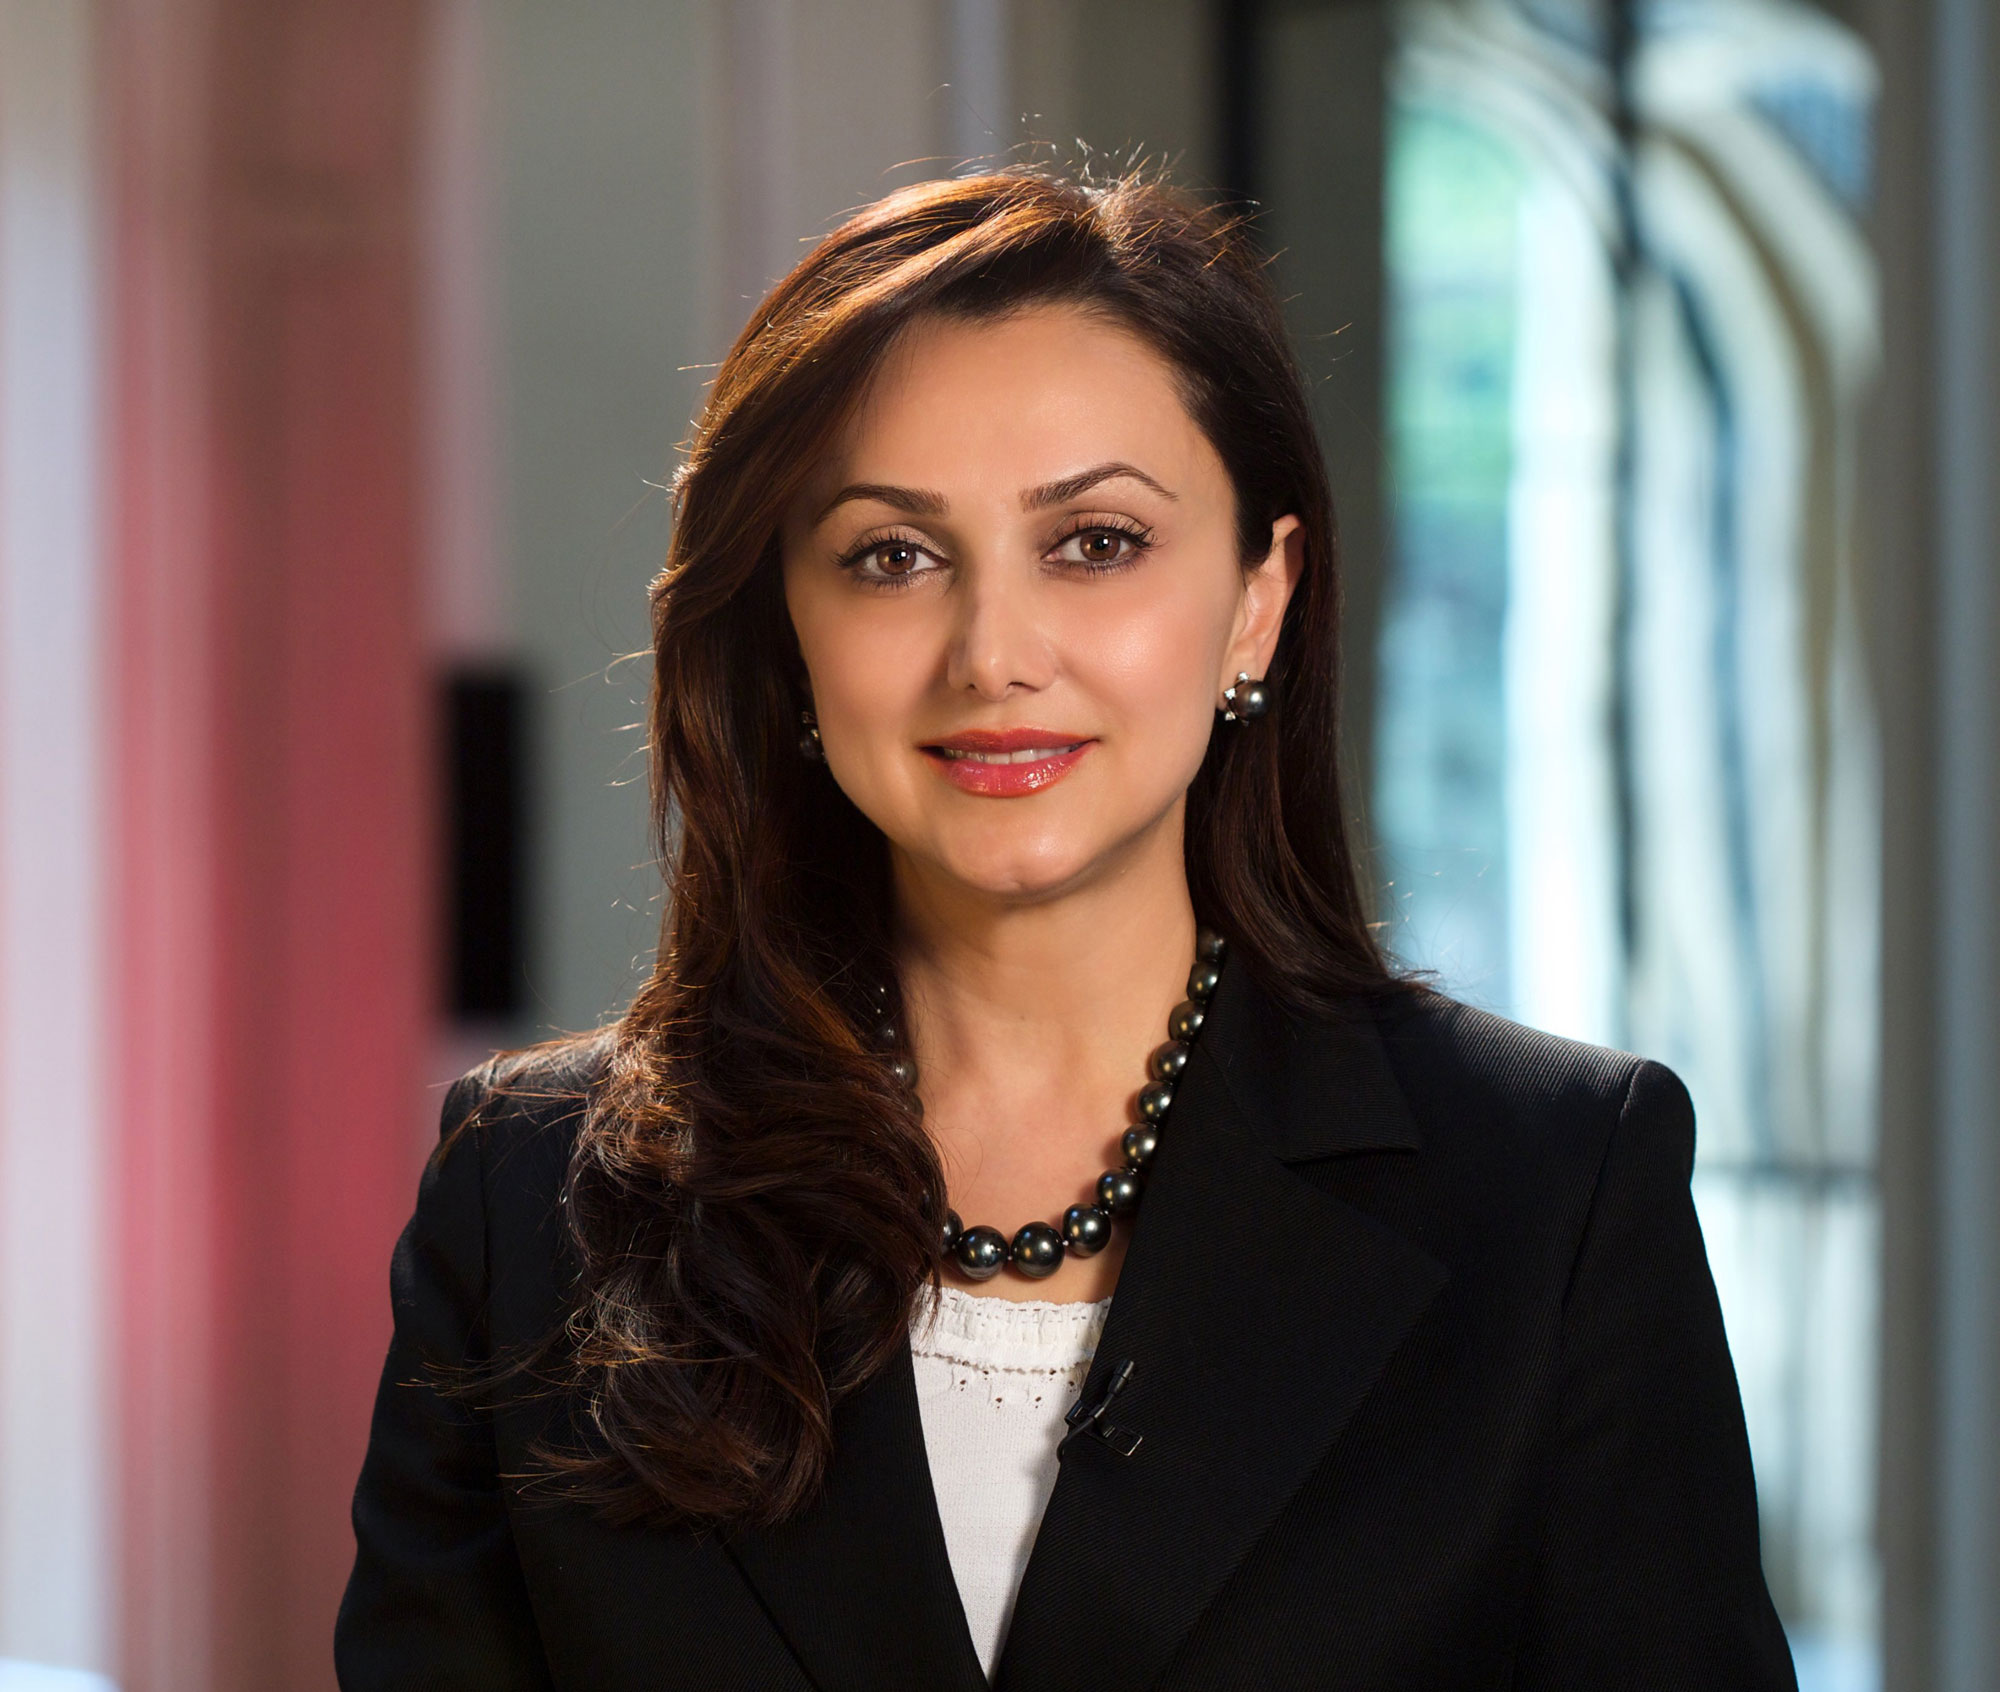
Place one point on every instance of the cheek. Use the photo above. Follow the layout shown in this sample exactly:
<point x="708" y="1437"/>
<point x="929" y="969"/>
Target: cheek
<point x="1153" y="663"/>
<point x="868" y="669"/>
<point x="870" y="663"/>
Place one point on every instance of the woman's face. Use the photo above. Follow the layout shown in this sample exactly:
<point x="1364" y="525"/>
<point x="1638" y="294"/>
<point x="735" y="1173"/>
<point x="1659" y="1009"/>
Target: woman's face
<point x="1017" y="589"/>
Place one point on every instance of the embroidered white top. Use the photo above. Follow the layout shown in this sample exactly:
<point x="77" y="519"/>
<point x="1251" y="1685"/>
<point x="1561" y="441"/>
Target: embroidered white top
<point x="994" y="1378"/>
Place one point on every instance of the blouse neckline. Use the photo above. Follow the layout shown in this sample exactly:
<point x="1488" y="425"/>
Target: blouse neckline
<point x="1005" y="1333"/>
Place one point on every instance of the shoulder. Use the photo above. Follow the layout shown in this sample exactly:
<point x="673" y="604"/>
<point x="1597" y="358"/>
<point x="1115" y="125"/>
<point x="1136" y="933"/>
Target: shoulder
<point x="1406" y="1069"/>
<point x="508" y="1126"/>
<point x="1446" y="1054"/>
<point x="491" y="1201"/>
<point x="1527" y="1107"/>
<point x="1517" y="1149"/>
<point x="537" y="1092"/>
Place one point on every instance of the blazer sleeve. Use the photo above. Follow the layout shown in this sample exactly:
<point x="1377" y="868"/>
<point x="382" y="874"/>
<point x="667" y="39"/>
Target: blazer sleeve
<point x="437" y="1599"/>
<point x="1650" y="1575"/>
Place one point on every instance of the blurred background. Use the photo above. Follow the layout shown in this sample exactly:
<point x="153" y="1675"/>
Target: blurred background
<point x="344" y="346"/>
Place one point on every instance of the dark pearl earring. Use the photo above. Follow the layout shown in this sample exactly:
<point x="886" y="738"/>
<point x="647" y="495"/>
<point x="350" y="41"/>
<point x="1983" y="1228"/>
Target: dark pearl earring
<point x="1245" y="699"/>
<point x="810" y="748"/>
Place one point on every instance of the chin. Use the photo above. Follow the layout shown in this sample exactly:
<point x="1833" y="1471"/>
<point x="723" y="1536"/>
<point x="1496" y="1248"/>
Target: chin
<point x="1021" y="872"/>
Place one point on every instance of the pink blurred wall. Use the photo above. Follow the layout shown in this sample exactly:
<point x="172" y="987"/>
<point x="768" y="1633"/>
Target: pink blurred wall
<point x="272" y="919"/>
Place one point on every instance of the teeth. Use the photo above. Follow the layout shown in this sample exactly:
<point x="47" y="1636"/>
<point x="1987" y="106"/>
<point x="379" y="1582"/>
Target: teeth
<point x="1028" y="755"/>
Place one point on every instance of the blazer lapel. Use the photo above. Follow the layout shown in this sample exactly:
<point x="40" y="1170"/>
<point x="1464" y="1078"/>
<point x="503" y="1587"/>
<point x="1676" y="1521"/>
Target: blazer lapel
<point x="860" y="1585"/>
<point x="1256" y="1313"/>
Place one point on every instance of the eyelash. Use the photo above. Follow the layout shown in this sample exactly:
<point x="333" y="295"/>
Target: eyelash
<point x="875" y="543"/>
<point x="1138" y="536"/>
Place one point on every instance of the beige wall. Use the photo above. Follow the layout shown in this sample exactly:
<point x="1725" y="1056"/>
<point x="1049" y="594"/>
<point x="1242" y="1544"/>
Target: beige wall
<point x="603" y="240"/>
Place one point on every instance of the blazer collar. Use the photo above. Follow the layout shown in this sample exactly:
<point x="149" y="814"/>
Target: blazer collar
<point x="1256" y="1313"/>
<point x="1307" y="1087"/>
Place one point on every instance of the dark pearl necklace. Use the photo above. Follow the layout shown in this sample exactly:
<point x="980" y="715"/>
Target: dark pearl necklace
<point x="1037" y="1249"/>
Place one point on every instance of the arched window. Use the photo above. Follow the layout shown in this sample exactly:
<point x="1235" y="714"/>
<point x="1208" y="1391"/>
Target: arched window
<point x="1625" y="757"/>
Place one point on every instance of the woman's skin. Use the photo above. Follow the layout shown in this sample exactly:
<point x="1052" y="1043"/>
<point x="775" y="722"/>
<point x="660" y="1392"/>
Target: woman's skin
<point x="945" y="582"/>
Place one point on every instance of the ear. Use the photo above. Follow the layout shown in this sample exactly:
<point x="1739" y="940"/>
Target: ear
<point x="1260" y="612"/>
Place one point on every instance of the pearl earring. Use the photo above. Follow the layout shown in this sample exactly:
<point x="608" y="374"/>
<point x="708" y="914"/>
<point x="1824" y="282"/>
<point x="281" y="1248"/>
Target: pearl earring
<point x="810" y="747"/>
<point x="1245" y="699"/>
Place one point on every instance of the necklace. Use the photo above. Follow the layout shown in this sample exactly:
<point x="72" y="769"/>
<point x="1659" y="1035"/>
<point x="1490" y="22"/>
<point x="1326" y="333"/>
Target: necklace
<point x="1038" y="1248"/>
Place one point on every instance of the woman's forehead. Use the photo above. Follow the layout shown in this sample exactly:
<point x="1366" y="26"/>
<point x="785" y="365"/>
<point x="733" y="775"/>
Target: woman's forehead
<point x="1015" y="404"/>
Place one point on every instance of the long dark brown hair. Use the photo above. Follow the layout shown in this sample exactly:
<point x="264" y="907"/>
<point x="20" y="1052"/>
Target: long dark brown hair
<point x="754" y="1201"/>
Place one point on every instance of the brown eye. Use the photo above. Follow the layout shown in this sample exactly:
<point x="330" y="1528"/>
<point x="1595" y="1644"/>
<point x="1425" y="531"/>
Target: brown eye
<point x="887" y="562"/>
<point x="1100" y="549"/>
<point x="1101" y="546"/>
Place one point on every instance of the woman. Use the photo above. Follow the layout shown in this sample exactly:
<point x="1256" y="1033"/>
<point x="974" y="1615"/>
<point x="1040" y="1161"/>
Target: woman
<point x="994" y="754"/>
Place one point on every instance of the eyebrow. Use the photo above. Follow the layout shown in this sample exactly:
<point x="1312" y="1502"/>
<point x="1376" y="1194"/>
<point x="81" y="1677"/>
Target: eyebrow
<point x="1055" y="493"/>
<point x="924" y="502"/>
<point x="918" y="502"/>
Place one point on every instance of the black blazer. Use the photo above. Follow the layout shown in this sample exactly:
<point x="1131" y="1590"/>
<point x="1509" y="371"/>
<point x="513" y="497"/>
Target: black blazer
<point x="1427" y="1369"/>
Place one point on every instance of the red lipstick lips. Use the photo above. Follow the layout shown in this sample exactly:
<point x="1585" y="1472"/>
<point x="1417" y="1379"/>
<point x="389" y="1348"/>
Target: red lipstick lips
<point x="1006" y="763"/>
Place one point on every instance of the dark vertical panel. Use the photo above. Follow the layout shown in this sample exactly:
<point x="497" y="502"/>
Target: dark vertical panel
<point x="1900" y="527"/>
<point x="1965" y="724"/>
<point x="1321" y="110"/>
<point x="1237" y="23"/>
<point x="485" y="858"/>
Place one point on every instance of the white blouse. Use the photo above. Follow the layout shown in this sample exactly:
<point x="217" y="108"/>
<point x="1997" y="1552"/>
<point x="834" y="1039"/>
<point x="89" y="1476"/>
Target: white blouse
<point x="994" y="1378"/>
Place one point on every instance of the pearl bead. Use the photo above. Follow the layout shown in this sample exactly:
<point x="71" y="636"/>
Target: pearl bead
<point x="905" y="1072"/>
<point x="887" y="1034"/>
<point x="980" y="1252"/>
<point x="1253" y="699"/>
<point x="1086" y="1230"/>
<point x="1118" y="1191"/>
<point x="1038" y="1250"/>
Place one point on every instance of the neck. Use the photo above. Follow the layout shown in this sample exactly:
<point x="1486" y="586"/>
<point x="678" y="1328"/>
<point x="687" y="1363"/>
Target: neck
<point x="1031" y="1023"/>
<point x="1066" y="966"/>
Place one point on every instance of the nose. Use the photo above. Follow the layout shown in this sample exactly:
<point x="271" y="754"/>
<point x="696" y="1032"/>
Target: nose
<point x="998" y="643"/>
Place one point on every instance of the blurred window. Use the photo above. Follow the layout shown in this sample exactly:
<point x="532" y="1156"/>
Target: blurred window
<point x="1626" y="780"/>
